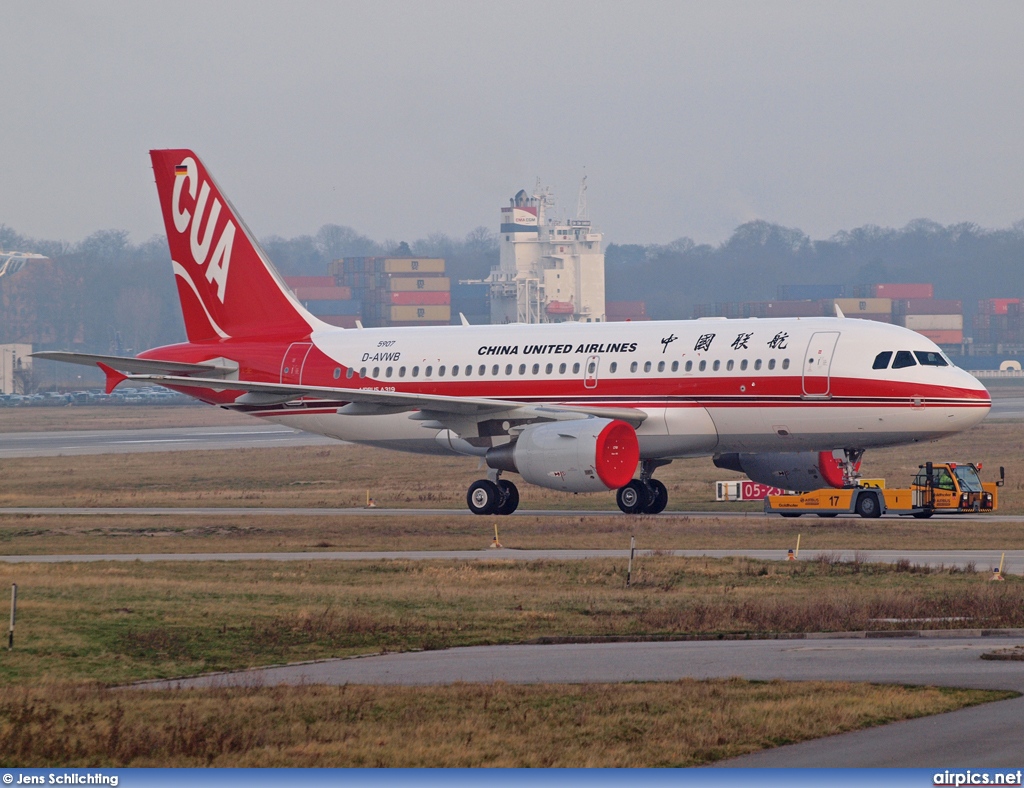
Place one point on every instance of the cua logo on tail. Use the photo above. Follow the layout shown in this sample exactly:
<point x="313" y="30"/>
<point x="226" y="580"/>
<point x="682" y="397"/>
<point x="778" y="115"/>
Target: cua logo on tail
<point x="193" y="217"/>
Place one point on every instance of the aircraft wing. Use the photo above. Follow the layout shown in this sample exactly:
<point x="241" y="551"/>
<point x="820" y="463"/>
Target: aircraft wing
<point x="368" y="402"/>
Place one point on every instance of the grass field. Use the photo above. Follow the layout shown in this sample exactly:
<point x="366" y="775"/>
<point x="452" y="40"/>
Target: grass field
<point x="83" y="627"/>
<point x="684" y="723"/>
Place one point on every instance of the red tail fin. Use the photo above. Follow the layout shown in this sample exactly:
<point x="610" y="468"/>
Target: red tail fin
<point x="227" y="286"/>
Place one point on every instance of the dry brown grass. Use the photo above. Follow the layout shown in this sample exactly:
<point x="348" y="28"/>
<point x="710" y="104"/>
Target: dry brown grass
<point x="118" y="622"/>
<point x="116" y="417"/>
<point x="683" y="723"/>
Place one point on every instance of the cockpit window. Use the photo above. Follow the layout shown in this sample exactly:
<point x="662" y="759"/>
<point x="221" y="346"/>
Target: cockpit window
<point x="929" y="358"/>
<point x="904" y="358"/>
<point x="882" y="360"/>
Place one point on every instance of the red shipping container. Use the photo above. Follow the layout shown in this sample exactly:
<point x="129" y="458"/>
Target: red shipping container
<point x="928" y="306"/>
<point x="940" y="337"/>
<point x="323" y="293"/>
<point x="309" y="281"/>
<point x="421" y="298"/>
<point x="997" y="306"/>
<point x="903" y="290"/>
<point x="625" y="308"/>
<point x="342" y="321"/>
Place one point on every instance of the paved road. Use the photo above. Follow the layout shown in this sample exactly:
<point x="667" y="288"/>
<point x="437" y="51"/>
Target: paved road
<point x="79" y="442"/>
<point x="989" y="736"/>
<point x="260" y="433"/>
<point x="981" y="560"/>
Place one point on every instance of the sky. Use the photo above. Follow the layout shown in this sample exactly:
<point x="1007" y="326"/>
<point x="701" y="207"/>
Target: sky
<point x="402" y="119"/>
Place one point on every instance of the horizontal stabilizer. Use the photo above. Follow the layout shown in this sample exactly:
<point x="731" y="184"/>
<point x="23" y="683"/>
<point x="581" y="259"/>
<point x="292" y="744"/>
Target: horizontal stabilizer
<point x="143" y="366"/>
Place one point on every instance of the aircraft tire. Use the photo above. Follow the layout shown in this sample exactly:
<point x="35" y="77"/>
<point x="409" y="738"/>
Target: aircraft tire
<point x="632" y="498"/>
<point x="509" y="497"/>
<point x="483" y="497"/>
<point x="658" y="497"/>
<point x="868" y="505"/>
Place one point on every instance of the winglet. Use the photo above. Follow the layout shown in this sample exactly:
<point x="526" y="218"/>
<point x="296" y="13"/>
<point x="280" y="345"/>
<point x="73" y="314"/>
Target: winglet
<point x="114" y="378"/>
<point x="462" y="317"/>
<point x="839" y="312"/>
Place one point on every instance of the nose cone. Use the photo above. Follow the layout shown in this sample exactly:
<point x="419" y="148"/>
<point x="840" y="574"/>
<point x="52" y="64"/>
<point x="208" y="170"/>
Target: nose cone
<point x="977" y="402"/>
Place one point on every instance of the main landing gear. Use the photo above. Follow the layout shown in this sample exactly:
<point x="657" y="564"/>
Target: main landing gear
<point x="492" y="496"/>
<point x="644" y="495"/>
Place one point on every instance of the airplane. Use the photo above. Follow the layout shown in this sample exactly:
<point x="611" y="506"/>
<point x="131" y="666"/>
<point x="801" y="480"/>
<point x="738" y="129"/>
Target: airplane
<point x="578" y="407"/>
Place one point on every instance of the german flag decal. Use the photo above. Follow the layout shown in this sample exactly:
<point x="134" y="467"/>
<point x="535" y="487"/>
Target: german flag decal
<point x="181" y="169"/>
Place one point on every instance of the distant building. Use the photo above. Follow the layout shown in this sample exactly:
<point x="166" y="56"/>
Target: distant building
<point x="15" y="369"/>
<point x="550" y="270"/>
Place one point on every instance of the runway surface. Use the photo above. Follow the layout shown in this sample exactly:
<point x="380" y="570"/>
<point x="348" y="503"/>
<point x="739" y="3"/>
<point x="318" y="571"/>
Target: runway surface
<point x="980" y="560"/>
<point x="990" y="735"/>
<point x="83" y="442"/>
<point x="260" y="433"/>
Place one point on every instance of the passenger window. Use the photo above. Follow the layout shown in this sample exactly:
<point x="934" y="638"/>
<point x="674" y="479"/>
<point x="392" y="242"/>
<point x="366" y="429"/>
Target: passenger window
<point x="647" y="366"/>
<point x="882" y="360"/>
<point x="771" y="363"/>
<point x="743" y="365"/>
<point x="548" y="368"/>
<point x="785" y="363"/>
<point x="522" y="369"/>
<point x="494" y="370"/>
<point x="376" y="372"/>
<point x="689" y="366"/>
<point x="362" y="372"/>
<point x="611" y="367"/>
<point x="703" y="365"/>
<point x="389" y="371"/>
<point x="561" y="369"/>
<point x="482" y="370"/>
<point x="440" y="371"/>
<point x="591" y="368"/>
<point x="469" y="370"/>
<point x="904" y="358"/>
<point x="536" y="368"/>
<point x="729" y="365"/>
<point x="348" y="373"/>
<point x="716" y="365"/>
<point x="929" y="358"/>
<point x="415" y="372"/>
<point x="661" y="366"/>
<point x="675" y="366"/>
<point x="757" y="364"/>
<point x="455" y="370"/>
<point x="576" y="368"/>
<point x="401" y="372"/>
<point x="428" y="372"/>
<point x="632" y="367"/>
<point x="508" y="370"/>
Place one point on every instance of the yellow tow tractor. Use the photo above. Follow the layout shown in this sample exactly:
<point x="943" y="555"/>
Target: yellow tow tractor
<point x="938" y="488"/>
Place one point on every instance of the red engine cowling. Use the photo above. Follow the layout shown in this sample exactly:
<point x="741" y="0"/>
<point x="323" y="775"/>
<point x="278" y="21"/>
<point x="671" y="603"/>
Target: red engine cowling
<point x="581" y="455"/>
<point x="800" y="471"/>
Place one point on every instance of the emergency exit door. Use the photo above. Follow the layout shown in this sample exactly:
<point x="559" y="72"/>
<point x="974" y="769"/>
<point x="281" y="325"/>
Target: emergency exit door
<point x="293" y="361"/>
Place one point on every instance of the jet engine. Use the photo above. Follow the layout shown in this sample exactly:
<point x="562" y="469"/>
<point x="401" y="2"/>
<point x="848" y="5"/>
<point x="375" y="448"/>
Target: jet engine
<point x="579" y="455"/>
<point x="799" y="471"/>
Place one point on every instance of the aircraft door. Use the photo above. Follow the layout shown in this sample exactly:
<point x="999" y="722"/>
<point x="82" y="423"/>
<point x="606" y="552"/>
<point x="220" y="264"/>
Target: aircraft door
<point x="818" y="363"/>
<point x="590" y="372"/>
<point x="293" y="361"/>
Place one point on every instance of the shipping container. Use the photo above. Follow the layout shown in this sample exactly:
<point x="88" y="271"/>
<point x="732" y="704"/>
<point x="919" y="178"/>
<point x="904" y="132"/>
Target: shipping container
<point x="851" y="306"/>
<point x="309" y="281"/>
<point x="342" y="321"/>
<point x="903" y="290"/>
<point x="810" y="292"/>
<point x="421" y="298"/>
<point x="793" y="309"/>
<point x="414" y="323"/>
<point x="927" y="306"/>
<point x="407" y="283"/>
<point x="934" y="322"/>
<point x="997" y="306"/>
<point x="395" y="265"/>
<point x="944" y="337"/>
<point x="318" y="308"/>
<point x="625" y="308"/>
<point x="331" y="293"/>
<point x="415" y="313"/>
